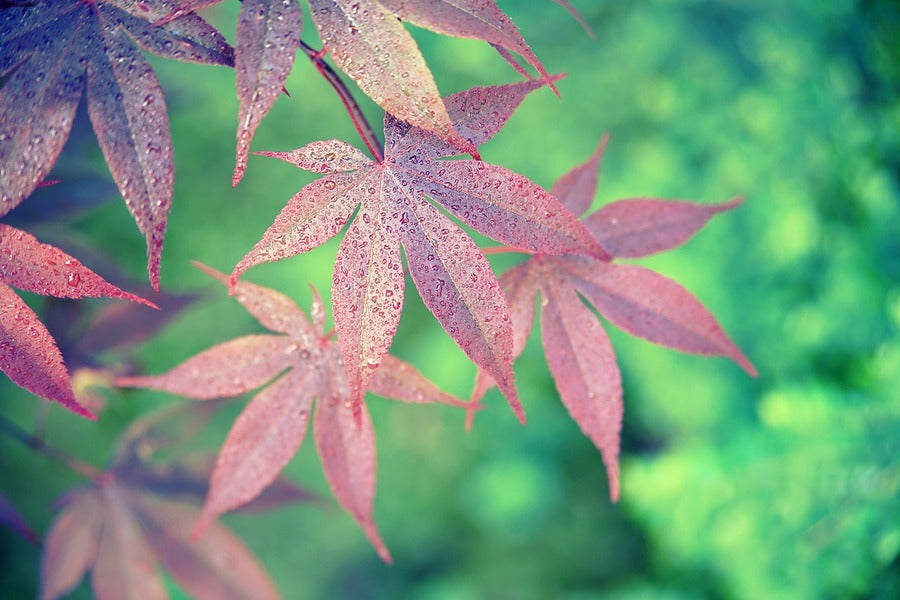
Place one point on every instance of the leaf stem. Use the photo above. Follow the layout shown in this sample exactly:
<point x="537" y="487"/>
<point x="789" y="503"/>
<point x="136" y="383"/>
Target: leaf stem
<point x="362" y="125"/>
<point x="38" y="445"/>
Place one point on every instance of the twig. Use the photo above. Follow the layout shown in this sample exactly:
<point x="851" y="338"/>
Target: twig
<point x="356" y="115"/>
<point x="17" y="433"/>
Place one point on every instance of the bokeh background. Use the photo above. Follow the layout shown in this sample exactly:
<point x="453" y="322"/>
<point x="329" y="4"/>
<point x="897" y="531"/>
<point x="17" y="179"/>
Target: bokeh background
<point x="784" y="486"/>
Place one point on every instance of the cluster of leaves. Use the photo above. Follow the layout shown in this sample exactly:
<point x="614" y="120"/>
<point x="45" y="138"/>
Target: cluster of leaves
<point x="50" y="51"/>
<point x="269" y="431"/>
<point x="396" y="204"/>
<point x="639" y="301"/>
<point x="138" y="514"/>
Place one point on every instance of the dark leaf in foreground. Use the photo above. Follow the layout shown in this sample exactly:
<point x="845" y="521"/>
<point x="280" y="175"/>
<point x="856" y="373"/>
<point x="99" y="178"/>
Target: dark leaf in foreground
<point x="451" y="274"/>
<point x="49" y="52"/>
<point x="633" y="298"/>
<point x="270" y="429"/>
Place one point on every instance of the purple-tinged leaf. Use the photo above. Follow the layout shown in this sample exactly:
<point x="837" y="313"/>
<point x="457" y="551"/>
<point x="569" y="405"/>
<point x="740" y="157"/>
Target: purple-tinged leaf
<point x="228" y="369"/>
<point x="70" y="548"/>
<point x="639" y="301"/>
<point x="189" y="39"/>
<point x="326" y="156"/>
<point x="474" y="19"/>
<point x="477" y="114"/>
<point x="457" y="285"/>
<point x="10" y="517"/>
<point x="312" y="217"/>
<point x="648" y="305"/>
<point x="49" y="49"/>
<point x="584" y="368"/>
<point x="642" y="226"/>
<point x="261" y="442"/>
<point x="217" y="566"/>
<point x="367" y="294"/>
<point x="39" y="97"/>
<point x="159" y="12"/>
<point x="29" y="265"/>
<point x="504" y="205"/>
<point x="268" y="35"/>
<point x="346" y="446"/>
<point x="369" y="44"/>
<point x="128" y="112"/>
<point x="575" y="190"/>
<point x="125" y="567"/>
<point x="29" y="356"/>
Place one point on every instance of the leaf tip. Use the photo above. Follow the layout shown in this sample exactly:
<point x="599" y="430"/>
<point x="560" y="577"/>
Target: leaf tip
<point x="733" y="203"/>
<point x="238" y="174"/>
<point x="82" y="411"/>
<point x="746" y="365"/>
<point x="376" y="541"/>
<point x="137" y="299"/>
<point x="614" y="485"/>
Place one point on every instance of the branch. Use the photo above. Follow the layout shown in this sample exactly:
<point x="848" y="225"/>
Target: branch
<point x="356" y="115"/>
<point x="37" y="444"/>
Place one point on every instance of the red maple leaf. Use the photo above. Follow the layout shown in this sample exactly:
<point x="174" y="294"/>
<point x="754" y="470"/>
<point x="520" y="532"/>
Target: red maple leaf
<point x="137" y="516"/>
<point x="268" y="35"/>
<point x="452" y="276"/>
<point x="28" y="354"/>
<point x="49" y="51"/>
<point x="367" y="41"/>
<point x="270" y="429"/>
<point x="635" y="299"/>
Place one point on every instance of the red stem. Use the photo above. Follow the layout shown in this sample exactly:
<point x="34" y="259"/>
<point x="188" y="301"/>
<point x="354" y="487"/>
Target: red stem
<point x="356" y="115"/>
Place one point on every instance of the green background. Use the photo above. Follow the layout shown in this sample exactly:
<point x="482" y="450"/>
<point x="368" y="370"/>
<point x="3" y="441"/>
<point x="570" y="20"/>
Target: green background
<point x="784" y="486"/>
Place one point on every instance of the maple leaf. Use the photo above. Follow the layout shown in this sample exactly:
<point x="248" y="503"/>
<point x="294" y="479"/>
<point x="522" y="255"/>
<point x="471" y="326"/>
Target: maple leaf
<point x="268" y="35"/>
<point x="637" y="300"/>
<point x="270" y="429"/>
<point x="28" y="354"/>
<point x="368" y="42"/>
<point x="452" y="276"/>
<point x="50" y="51"/>
<point x="137" y="516"/>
